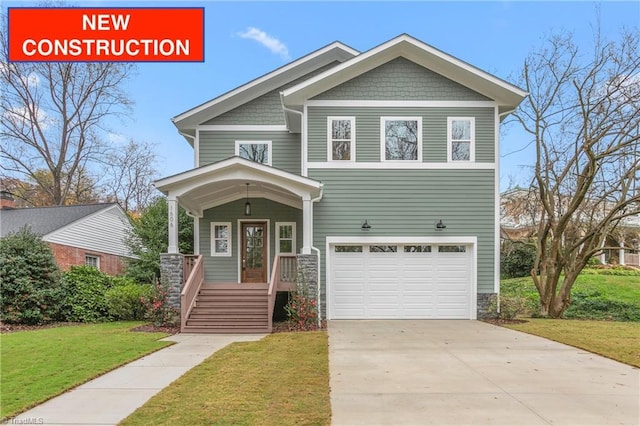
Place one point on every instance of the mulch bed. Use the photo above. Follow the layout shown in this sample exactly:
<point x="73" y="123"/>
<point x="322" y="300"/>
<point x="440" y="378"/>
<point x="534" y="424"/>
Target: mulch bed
<point x="150" y="328"/>
<point x="278" y="327"/>
<point x="497" y="321"/>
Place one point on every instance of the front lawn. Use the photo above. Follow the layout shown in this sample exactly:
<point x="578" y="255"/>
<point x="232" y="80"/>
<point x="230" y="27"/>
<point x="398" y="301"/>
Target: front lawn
<point x="38" y="365"/>
<point x="282" y="379"/>
<point x="615" y="340"/>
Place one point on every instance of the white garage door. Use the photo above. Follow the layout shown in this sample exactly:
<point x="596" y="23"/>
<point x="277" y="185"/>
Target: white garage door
<point x="369" y="281"/>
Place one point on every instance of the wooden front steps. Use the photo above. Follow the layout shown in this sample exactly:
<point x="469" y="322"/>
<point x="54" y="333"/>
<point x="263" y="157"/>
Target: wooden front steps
<point x="230" y="308"/>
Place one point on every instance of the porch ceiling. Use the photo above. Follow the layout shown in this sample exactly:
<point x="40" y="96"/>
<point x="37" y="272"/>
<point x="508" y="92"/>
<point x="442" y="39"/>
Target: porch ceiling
<point x="223" y="182"/>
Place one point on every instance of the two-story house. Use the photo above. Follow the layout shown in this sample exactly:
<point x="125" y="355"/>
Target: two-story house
<point x="374" y="174"/>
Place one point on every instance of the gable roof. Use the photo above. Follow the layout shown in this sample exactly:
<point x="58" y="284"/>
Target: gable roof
<point x="505" y="94"/>
<point x="336" y="51"/>
<point x="45" y="220"/>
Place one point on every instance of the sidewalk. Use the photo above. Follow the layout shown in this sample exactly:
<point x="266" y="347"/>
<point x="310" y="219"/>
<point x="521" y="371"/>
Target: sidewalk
<point x="110" y="398"/>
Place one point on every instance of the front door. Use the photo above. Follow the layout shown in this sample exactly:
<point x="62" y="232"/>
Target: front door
<point x="254" y="253"/>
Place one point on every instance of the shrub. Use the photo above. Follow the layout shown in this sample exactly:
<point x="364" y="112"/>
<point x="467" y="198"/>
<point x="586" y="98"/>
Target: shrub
<point x="86" y="289"/>
<point x="613" y="270"/>
<point x="516" y="259"/>
<point x="510" y="307"/>
<point x="29" y="278"/>
<point x="302" y="309"/>
<point x="593" y="305"/>
<point x="157" y="307"/>
<point x="125" y="300"/>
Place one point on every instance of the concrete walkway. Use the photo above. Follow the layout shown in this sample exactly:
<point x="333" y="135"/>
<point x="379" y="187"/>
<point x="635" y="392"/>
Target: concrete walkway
<point x="469" y="372"/>
<point x="112" y="397"/>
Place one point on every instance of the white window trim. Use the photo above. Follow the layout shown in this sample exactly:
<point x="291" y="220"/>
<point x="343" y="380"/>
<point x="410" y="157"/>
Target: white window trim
<point x="293" y="236"/>
<point x="268" y="143"/>
<point x="472" y="143"/>
<point x="352" y="141"/>
<point x="383" y="121"/>
<point x="93" y="256"/>
<point x="213" y="239"/>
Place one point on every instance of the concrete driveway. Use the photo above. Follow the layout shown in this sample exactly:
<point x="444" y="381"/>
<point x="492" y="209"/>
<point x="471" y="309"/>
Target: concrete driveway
<point x="469" y="372"/>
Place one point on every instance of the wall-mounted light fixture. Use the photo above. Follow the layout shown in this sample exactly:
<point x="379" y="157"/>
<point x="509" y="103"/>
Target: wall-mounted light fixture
<point x="440" y="225"/>
<point x="247" y="205"/>
<point x="365" y="226"/>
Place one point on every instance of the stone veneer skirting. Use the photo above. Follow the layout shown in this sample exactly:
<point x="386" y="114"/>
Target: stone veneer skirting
<point x="171" y="265"/>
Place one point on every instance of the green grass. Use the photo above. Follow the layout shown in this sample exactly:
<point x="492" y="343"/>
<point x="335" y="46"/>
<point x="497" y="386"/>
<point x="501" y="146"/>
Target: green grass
<point x="38" y="365"/>
<point x="594" y="296"/>
<point x="282" y="379"/>
<point x="615" y="340"/>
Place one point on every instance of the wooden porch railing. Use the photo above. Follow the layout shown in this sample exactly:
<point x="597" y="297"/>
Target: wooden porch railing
<point x="188" y="262"/>
<point x="283" y="277"/>
<point x="632" y="259"/>
<point x="193" y="270"/>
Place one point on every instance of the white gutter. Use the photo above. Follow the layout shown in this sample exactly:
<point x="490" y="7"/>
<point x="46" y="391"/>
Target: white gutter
<point x="317" y="250"/>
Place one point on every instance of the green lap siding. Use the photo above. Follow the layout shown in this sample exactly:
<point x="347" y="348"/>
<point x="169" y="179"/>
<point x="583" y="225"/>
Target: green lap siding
<point x="225" y="269"/>
<point x="408" y="203"/>
<point x="434" y="130"/>
<point x="219" y="145"/>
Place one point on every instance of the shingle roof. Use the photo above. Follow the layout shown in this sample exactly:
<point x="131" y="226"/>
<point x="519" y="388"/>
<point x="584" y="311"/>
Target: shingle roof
<point x="43" y="220"/>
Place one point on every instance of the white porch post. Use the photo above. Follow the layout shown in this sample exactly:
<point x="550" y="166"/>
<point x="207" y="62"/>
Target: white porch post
<point x="307" y="224"/>
<point x="172" y="208"/>
<point x="621" y="253"/>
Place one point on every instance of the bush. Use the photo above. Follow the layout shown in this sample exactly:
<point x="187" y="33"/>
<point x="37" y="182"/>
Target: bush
<point x="510" y="307"/>
<point x="157" y="307"/>
<point x="612" y="270"/>
<point x="516" y="259"/>
<point x="125" y="300"/>
<point x="29" y="278"/>
<point x="302" y="309"/>
<point x="592" y="305"/>
<point x="86" y="289"/>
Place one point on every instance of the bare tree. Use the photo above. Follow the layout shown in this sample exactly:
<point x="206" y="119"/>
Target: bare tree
<point x="583" y="113"/>
<point x="129" y="174"/>
<point x="53" y="115"/>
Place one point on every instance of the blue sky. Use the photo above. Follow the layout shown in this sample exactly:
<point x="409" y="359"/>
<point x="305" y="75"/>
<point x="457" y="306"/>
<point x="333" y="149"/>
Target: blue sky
<point x="494" y="36"/>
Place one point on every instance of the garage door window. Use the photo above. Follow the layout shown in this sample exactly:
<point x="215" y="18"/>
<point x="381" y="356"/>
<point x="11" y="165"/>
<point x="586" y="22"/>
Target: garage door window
<point x="452" y="249"/>
<point x="348" y="249"/>
<point x="383" y="249"/>
<point x="417" y="249"/>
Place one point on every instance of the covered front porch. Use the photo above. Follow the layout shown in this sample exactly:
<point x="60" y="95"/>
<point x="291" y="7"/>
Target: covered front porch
<point x="252" y="231"/>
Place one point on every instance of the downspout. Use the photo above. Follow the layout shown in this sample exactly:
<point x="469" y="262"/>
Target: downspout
<point x="317" y="250"/>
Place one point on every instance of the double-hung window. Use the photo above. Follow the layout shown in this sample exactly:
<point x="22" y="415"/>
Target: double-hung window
<point x="286" y="237"/>
<point x="220" y="238"/>
<point x="258" y="151"/>
<point x="341" y="141"/>
<point x="401" y="138"/>
<point x="461" y="138"/>
<point x="92" y="260"/>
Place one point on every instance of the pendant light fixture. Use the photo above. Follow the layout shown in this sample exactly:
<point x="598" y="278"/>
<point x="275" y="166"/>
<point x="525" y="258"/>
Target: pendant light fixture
<point x="247" y="205"/>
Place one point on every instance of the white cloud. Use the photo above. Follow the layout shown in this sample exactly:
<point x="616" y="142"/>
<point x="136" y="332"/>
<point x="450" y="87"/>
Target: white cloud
<point x="116" y="138"/>
<point x="271" y="43"/>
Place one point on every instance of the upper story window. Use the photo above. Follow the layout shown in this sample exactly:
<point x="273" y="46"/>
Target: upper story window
<point x="258" y="151"/>
<point x="401" y="138"/>
<point x="341" y="142"/>
<point x="461" y="138"/>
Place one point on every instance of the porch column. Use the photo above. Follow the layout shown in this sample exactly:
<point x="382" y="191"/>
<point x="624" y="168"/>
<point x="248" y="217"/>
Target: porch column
<point x="621" y="253"/>
<point x="172" y="209"/>
<point x="307" y="224"/>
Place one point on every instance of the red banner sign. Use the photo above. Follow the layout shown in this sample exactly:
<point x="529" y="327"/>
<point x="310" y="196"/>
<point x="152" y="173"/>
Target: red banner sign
<point x="106" y="34"/>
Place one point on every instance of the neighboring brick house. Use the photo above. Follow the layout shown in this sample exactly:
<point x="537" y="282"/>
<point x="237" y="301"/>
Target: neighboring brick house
<point x="91" y="234"/>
